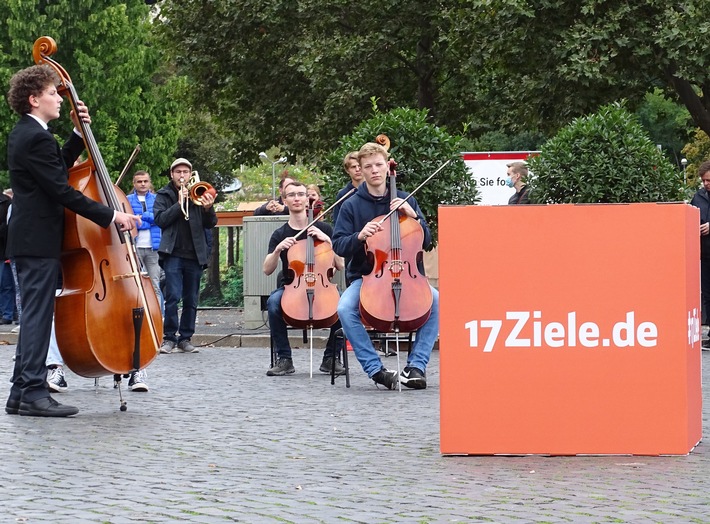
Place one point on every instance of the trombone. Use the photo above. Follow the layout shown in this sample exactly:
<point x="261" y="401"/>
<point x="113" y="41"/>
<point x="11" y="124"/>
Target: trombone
<point x="196" y="189"/>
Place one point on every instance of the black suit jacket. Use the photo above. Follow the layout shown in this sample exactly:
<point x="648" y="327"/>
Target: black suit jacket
<point x="39" y="180"/>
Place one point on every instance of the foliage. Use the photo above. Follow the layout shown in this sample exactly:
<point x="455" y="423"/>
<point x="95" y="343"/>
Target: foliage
<point x="502" y="141"/>
<point x="696" y="152"/>
<point x="603" y="158"/>
<point x="416" y="54"/>
<point x="419" y="148"/>
<point x="551" y="60"/>
<point x="259" y="181"/>
<point x="479" y="66"/>
<point x="666" y="121"/>
<point x="108" y="50"/>
<point x="231" y="286"/>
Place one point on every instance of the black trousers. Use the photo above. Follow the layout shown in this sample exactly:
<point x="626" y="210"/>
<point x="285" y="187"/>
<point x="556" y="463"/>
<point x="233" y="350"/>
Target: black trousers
<point x="37" y="277"/>
<point x="705" y="290"/>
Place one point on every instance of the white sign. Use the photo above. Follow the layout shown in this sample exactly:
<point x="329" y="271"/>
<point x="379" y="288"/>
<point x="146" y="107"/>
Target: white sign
<point x="490" y="171"/>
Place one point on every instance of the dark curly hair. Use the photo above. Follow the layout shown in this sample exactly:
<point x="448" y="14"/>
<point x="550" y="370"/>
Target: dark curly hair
<point x="31" y="81"/>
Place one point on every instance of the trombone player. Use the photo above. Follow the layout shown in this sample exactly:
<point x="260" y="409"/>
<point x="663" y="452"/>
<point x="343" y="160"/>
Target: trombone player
<point x="183" y="254"/>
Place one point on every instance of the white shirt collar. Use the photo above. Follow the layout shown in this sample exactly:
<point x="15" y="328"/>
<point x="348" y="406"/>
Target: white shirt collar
<point x="41" y="122"/>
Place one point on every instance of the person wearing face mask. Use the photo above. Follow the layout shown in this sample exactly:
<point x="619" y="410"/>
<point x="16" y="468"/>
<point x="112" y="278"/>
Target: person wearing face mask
<point x="517" y="177"/>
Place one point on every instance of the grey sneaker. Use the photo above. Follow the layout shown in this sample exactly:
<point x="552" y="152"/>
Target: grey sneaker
<point x="386" y="378"/>
<point x="283" y="366"/>
<point x="137" y="381"/>
<point x="327" y="365"/>
<point x="184" y="346"/>
<point x="56" y="381"/>
<point x="167" y="347"/>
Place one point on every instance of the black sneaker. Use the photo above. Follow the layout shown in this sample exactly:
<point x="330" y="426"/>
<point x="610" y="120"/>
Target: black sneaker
<point x="706" y="344"/>
<point x="386" y="378"/>
<point x="56" y="381"/>
<point x="327" y="365"/>
<point x="137" y="381"/>
<point x="283" y="366"/>
<point x="413" y="378"/>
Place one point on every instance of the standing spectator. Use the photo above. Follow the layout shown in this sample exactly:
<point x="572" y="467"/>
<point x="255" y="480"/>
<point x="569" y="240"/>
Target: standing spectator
<point x="517" y="178"/>
<point x="183" y="254"/>
<point x="142" y="199"/>
<point x="7" y="284"/>
<point x="701" y="200"/>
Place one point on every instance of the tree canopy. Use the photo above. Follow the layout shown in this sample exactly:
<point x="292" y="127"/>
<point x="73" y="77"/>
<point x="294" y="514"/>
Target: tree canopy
<point x="107" y="49"/>
<point x="298" y="74"/>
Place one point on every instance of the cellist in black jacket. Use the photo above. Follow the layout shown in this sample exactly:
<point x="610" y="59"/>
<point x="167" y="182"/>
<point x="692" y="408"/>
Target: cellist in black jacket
<point x="39" y="180"/>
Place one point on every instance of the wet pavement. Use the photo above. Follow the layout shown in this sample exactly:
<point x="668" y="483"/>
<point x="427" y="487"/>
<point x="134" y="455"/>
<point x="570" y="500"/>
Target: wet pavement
<point x="216" y="440"/>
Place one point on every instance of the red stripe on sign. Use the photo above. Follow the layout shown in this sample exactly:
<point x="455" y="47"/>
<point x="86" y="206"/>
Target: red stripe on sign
<point x="500" y="155"/>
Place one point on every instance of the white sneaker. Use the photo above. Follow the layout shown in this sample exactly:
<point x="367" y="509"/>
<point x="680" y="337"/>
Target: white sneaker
<point x="137" y="381"/>
<point x="56" y="381"/>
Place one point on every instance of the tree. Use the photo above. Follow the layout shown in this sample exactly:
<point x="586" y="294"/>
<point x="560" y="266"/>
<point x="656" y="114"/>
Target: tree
<point x="298" y="74"/>
<point x="557" y="59"/>
<point x="107" y="49"/>
<point x="420" y="148"/>
<point x="606" y="157"/>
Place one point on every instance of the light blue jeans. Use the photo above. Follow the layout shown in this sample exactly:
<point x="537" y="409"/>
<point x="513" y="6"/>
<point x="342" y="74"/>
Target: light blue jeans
<point x="349" y="313"/>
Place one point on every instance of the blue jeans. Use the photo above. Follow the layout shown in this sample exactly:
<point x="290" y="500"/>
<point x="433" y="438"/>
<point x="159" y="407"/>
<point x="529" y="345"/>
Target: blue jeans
<point x="349" y="313"/>
<point x="182" y="281"/>
<point x="279" y="328"/>
<point x="7" y="292"/>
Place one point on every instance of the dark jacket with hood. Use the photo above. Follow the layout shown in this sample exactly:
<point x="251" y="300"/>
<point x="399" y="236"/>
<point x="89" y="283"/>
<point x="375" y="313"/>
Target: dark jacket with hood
<point x="357" y="211"/>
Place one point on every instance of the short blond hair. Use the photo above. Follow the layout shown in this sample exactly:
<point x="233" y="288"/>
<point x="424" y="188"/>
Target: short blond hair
<point x="371" y="148"/>
<point x="352" y="155"/>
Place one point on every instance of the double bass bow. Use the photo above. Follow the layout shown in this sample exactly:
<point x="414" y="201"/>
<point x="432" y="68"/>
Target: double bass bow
<point x="107" y="317"/>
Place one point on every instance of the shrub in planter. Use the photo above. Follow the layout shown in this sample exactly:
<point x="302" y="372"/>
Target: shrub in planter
<point x="419" y="148"/>
<point x="606" y="157"/>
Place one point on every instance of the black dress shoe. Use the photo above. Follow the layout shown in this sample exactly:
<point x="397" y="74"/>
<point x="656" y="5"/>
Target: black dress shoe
<point x="46" y="407"/>
<point x="12" y="407"/>
<point x="5" y="321"/>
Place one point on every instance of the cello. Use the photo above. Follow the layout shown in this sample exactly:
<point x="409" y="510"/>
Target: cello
<point x="395" y="296"/>
<point x="107" y="316"/>
<point x="311" y="299"/>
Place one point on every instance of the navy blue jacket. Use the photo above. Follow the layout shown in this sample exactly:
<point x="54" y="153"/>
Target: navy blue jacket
<point x="357" y="211"/>
<point x="341" y="194"/>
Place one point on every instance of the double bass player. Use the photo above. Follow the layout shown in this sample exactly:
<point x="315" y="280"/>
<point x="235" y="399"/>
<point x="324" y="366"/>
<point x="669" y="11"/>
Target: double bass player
<point x="39" y="179"/>
<point x="355" y="225"/>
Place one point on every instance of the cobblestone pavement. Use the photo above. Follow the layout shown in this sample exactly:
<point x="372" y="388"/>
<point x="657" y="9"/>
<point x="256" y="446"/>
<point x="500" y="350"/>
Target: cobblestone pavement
<point x="216" y="440"/>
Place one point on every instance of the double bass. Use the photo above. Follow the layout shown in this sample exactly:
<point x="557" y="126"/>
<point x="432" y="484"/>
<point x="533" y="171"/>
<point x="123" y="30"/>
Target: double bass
<point x="395" y="296"/>
<point x="107" y="316"/>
